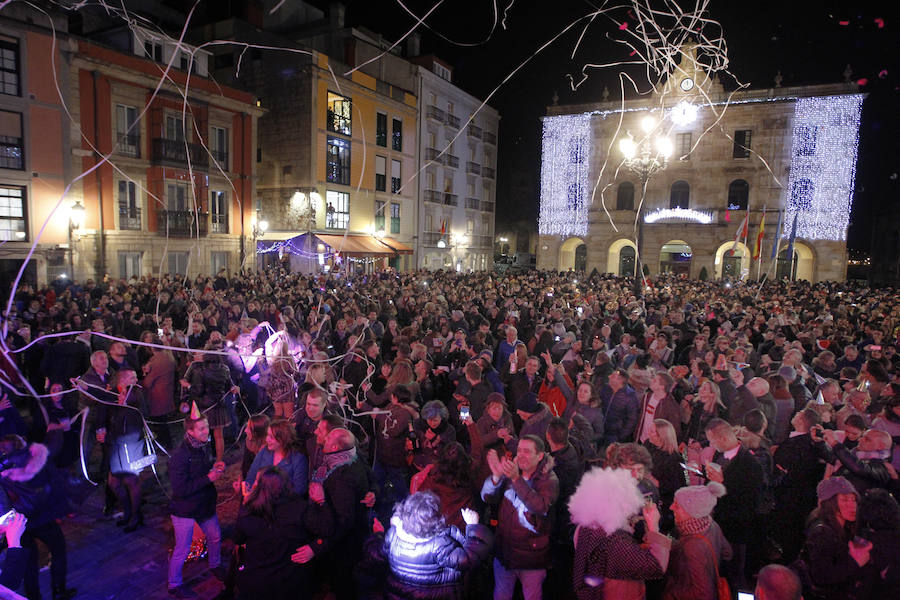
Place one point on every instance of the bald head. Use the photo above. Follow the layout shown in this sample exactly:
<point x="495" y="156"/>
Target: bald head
<point x="777" y="582"/>
<point x="339" y="439"/>
<point x="758" y="386"/>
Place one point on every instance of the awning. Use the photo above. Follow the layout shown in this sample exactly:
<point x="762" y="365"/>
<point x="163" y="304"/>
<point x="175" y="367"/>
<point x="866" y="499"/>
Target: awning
<point x="399" y="247"/>
<point x="356" y="245"/>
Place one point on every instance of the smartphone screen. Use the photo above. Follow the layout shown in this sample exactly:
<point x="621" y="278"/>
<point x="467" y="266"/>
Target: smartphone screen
<point x="464" y="413"/>
<point x="745" y="595"/>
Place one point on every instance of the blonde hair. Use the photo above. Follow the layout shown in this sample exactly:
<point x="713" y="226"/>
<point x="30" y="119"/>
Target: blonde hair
<point x="666" y="433"/>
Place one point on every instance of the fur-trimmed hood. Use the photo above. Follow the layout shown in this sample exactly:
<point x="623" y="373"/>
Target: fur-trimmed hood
<point x="605" y="498"/>
<point x="37" y="459"/>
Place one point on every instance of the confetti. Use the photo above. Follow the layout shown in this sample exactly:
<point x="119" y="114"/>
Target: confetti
<point x="623" y="26"/>
<point x="879" y="22"/>
<point x="882" y="74"/>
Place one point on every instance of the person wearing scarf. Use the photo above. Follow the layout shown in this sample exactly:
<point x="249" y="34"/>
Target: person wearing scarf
<point x="701" y="547"/>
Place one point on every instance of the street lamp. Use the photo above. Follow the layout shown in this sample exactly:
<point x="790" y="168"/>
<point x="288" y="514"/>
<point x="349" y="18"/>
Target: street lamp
<point x="645" y="159"/>
<point x="76" y="220"/>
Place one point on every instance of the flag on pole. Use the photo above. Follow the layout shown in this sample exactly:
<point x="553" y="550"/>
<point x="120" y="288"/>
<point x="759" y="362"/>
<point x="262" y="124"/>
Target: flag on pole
<point x="757" y="250"/>
<point x="741" y="233"/>
<point x="790" y="248"/>
<point x="443" y="227"/>
<point x="778" y="232"/>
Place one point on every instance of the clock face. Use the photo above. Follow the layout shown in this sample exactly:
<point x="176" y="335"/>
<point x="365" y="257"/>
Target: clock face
<point x="687" y="84"/>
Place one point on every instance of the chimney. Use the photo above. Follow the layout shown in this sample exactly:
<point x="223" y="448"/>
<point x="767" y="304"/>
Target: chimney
<point x="413" y="44"/>
<point x="337" y="13"/>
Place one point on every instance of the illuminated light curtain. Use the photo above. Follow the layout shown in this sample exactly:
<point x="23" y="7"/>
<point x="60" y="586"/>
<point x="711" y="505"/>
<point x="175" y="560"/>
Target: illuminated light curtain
<point x="823" y="166"/>
<point x="565" y="192"/>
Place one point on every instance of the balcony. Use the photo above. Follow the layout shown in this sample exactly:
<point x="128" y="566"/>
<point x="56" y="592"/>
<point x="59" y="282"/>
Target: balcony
<point x="452" y="121"/>
<point x="445" y="198"/>
<point x="482" y="241"/>
<point x="219" y="223"/>
<point x="176" y="153"/>
<point x="435" y="155"/>
<point x="221" y="157"/>
<point x="474" y="131"/>
<point x="451" y="161"/>
<point x="431" y="238"/>
<point x="473" y="168"/>
<point x="433" y="112"/>
<point x="488" y="172"/>
<point x="181" y="223"/>
<point x="490" y="138"/>
<point x="472" y="203"/>
<point x="129" y="145"/>
<point x="487" y="206"/>
<point x="129" y="217"/>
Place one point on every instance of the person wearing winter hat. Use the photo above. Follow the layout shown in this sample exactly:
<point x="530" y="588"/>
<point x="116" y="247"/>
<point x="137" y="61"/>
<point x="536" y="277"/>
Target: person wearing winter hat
<point x="837" y="565"/>
<point x="608" y="562"/>
<point x="535" y="415"/>
<point x="694" y="564"/>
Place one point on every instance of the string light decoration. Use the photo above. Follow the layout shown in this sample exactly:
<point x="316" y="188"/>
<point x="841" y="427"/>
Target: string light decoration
<point x="679" y="214"/>
<point x="566" y="149"/>
<point x="823" y="166"/>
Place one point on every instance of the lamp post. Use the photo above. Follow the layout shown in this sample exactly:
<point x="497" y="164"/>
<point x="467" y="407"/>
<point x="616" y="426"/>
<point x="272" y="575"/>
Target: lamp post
<point x="644" y="159"/>
<point x="76" y="220"/>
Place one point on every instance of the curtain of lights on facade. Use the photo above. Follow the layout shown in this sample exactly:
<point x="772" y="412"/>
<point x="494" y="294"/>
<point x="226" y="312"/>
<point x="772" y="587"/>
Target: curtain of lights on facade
<point x="823" y="166"/>
<point x="566" y="153"/>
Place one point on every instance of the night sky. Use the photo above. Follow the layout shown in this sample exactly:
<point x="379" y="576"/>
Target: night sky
<point x="811" y="42"/>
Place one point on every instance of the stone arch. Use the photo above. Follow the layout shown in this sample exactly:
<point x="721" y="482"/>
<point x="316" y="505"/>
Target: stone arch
<point x="804" y="258"/>
<point x="567" y="252"/>
<point x="726" y="265"/>
<point x="614" y="254"/>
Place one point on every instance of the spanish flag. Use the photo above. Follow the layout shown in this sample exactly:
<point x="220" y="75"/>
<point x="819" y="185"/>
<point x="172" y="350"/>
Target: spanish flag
<point x="757" y="249"/>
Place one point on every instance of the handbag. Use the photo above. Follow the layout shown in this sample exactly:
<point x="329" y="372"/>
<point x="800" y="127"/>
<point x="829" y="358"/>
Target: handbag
<point x="723" y="590"/>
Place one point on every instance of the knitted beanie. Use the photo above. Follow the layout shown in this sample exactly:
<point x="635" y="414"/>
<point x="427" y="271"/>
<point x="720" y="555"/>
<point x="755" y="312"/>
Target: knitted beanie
<point x="699" y="500"/>
<point x="831" y="487"/>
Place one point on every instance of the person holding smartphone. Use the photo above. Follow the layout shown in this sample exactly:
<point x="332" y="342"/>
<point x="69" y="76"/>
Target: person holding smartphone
<point x="13" y="526"/>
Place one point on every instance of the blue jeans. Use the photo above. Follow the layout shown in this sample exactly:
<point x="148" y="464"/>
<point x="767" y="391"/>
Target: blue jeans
<point x="505" y="582"/>
<point x="184" y="533"/>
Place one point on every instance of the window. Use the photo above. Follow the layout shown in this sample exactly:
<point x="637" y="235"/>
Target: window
<point x="337" y="161"/>
<point x="395" y="176"/>
<point x="806" y="140"/>
<point x="218" y="146"/>
<point x="379" y="215"/>
<point x="380" y="174"/>
<point x="183" y="61"/>
<point x="178" y="263"/>
<point x="397" y="137"/>
<point x="218" y="260"/>
<point x="176" y="197"/>
<point x="395" y="217"/>
<point x="625" y="196"/>
<point x="741" y="144"/>
<point x="738" y="194"/>
<point x="802" y="194"/>
<point x="174" y="128"/>
<point x="130" y="264"/>
<point x="9" y="66"/>
<point x="153" y="50"/>
<point x="128" y="132"/>
<point x="680" y="195"/>
<point x="683" y="145"/>
<point x="337" y="209"/>
<point x="381" y="129"/>
<point x="338" y="114"/>
<point x="441" y="71"/>
<point x="429" y="222"/>
<point x="12" y="149"/>
<point x="470" y="227"/>
<point x="12" y="214"/>
<point x="218" y="211"/>
<point x="129" y="206"/>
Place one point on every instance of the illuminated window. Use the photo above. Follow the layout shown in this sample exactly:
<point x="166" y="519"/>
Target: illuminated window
<point x="12" y="214"/>
<point x="12" y="148"/>
<point x="380" y="174"/>
<point x="339" y="114"/>
<point x="218" y="211"/>
<point x="337" y="209"/>
<point x="337" y="161"/>
<point x="379" y="215"/>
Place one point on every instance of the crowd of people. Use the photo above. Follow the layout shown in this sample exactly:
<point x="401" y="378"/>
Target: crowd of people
<point x="474" y="433"/>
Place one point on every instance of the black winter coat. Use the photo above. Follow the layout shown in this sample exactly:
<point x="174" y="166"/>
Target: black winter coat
<point x="193" y="494"/>
<point x="433" y="568"/>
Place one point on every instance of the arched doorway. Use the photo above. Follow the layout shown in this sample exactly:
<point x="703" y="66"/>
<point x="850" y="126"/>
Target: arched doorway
<point x="621" y="258"/>
<point x="799" y="266"/>
<point x="732" y="265"/>
<point x="675" y="257"/>
<point x="572" y="252"/>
